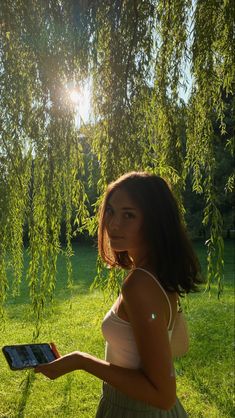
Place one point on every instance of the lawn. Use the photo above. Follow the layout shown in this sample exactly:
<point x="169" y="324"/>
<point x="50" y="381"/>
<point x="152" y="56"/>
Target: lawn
<point x="204" y="377"/>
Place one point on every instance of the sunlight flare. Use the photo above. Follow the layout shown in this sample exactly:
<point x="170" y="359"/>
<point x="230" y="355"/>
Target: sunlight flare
<point x="80" y="97"/>
<point x="75" y="97"/>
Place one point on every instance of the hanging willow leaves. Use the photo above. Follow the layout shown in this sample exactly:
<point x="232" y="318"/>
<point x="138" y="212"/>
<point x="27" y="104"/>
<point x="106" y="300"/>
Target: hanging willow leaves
<point x="135" y="53"/>
<point x="213" y="69"/>
<point x="41" y="157"/>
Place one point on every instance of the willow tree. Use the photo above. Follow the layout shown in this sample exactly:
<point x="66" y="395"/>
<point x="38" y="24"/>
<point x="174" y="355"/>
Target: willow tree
<point x="135" y="53"/>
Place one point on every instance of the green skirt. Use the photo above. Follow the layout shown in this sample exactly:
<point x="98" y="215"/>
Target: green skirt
<point x="114" y="404"/>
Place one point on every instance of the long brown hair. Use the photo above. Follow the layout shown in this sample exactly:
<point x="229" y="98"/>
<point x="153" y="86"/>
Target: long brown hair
<point x="172" y="255"/>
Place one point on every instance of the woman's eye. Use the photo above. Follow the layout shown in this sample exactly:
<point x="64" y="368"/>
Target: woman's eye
<point x="128" y="215"/>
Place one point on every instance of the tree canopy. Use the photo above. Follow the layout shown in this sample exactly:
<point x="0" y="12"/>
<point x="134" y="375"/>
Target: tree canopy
<point x="138" y="55"/>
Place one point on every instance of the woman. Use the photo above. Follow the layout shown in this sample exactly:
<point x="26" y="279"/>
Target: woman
<point x="140" y="230"/>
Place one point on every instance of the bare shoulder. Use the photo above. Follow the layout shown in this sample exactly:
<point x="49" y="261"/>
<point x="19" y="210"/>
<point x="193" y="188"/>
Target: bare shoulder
<point x="140" y="285"/>
<point x="134" y="279"/>
<point x="142" y="292"/>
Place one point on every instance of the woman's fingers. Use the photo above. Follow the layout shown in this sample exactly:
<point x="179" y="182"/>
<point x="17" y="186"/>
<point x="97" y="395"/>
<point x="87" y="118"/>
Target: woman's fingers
<point x="60" y="366"/>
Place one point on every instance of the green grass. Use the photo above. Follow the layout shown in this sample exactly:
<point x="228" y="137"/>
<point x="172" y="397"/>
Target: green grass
<point x="204" y="377"/>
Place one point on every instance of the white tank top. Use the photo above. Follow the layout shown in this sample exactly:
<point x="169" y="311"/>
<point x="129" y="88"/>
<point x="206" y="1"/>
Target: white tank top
<point x="120" y="347"/>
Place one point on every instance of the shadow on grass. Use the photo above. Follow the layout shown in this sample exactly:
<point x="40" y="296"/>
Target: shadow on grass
<point x="27" y="385"/>
<point x="84" y="272"/>
<point x="67" y="389"/>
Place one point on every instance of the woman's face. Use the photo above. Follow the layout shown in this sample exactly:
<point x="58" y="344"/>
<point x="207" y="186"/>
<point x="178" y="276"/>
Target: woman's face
<point x="124" y="223"/>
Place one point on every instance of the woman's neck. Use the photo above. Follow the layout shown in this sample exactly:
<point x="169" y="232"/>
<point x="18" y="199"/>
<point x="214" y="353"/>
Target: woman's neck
<point x="140" y="260"/>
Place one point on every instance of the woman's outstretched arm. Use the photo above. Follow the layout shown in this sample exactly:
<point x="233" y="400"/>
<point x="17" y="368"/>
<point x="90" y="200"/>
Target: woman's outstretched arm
<point x="155" y="382"/>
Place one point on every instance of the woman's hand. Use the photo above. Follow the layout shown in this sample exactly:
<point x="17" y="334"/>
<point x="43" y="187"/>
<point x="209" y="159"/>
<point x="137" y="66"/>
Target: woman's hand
<point x="62" y="365"/>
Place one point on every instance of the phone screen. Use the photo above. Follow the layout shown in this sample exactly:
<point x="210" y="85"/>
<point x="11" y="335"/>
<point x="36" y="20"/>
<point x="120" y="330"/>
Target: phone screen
<point x="28" y="355"/>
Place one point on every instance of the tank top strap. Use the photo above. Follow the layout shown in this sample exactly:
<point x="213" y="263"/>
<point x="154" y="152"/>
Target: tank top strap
<point x="159" y="284"/>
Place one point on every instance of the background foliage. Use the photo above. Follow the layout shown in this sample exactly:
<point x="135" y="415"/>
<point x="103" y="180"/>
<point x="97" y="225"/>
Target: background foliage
<point x="138" y="55"/>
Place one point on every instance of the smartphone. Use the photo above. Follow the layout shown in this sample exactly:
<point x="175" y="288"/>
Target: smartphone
<point x="26" y="356"/>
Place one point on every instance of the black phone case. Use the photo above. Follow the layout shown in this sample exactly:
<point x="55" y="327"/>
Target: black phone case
<point x="51" y="347"/>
